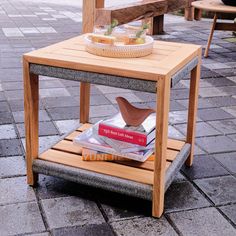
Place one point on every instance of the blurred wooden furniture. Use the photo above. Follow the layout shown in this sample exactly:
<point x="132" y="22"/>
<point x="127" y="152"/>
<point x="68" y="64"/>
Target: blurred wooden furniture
<point x="217" y="7"/>
<point x="139" y="9"/>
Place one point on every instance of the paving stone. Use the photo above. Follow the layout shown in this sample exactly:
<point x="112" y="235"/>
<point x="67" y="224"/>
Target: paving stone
<point x="229" y="90"/>
<point x="211" y="92"/>
<point x="107" y="90"/>
<point x="204" y="222"/>
<point x="179" y="178"/>
<point x="104" y="110"/>
<point x="98" y="100"/>
<point x="72" y="211"/>
<point x="14" y="190"/>
<point x="2" y="97"/>
<point x="179" y="94"/>
<point x="183" y="196"/>
<point x="214" y="114"/>
<point x="216" y="144"/>
<point x="10" y="147"/>
<point x="174" y="106"/>
<point x="20" y="219"/>
<point x="52" y="187"/>
<point x="221" y="190"/>
<point x="18" y="105"/>
<point x="40" y="234"/>
<point x="222" y="101"/>
<point x="75" y="90"/>
<point x="45" y="142"/>
<point x="95" y="230"/>
<point x="230" y="110"/>
<point x="12" y="166"/>
<point x="115" y="211"/>
<point x="52" y="83"/>
<point x="45" y="128"/>
<point x="7" y="132"/>
<point x="174" y="133"/>
<point x="143" y="226"/>
<point x="226" y="72"/>
<point x="52" y="102"/>
<point x="202" y="129"/>
<point x="5" y="118"/>
<point x="198" y="150"/>
<point x="29" y="30"/>
<point x="144" y="96"/>
<point x="66" y="126"/>
<point x="14" y="94"/>
<point x="12" y="86"/>
<point x="129" y="96"/>
<point x="230" y="212"/>
<point x="46" y="30"/>
<point x="19" y="116"/>
<point x="204" y="167"/>
<point x="216" y="66"/>
<point x="55" y="92"/>
<point x="227" y="160"/>
<point x="202" y="103"/>
<point x="232" y="137"/>
<point x="12" y="32"/>
<point x="208" y="74"/>
<point x="221" y="81"/>
<point x="179" y="117"/>
<point x="224" y="126"/>
<point x="64" y="113"/>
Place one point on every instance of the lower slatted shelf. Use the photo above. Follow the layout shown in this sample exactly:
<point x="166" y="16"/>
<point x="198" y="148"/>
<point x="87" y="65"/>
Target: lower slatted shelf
<point x="64" y="160"/>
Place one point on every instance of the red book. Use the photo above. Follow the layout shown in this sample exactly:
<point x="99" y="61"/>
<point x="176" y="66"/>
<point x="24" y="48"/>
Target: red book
<point x="116" y="128"/>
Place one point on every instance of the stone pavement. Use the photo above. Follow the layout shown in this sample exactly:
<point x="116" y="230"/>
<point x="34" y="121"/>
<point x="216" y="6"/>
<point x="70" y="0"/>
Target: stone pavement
<point x="202" y="199"/>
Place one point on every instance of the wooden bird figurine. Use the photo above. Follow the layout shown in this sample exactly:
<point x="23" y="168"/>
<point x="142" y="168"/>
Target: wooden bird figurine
<point x="132" y="116"/>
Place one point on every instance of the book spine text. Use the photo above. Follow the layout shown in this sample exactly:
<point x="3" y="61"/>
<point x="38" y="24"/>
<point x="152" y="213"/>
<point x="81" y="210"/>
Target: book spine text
<point x="122" y="135"/>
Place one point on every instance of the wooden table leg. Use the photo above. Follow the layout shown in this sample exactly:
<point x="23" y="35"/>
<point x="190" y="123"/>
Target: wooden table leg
<point x="31" y="100"/>
<point x="193" y="106"/>
<point x="211" y="35"/>
<point x="84" y="102"/>
<point x="163" y="99"/>
<point x="157" y="25"/>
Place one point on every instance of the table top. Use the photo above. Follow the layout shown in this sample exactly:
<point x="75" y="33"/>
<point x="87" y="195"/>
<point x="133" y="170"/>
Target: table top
<point x="167" y="58"/>
<point x="214" y="6"/>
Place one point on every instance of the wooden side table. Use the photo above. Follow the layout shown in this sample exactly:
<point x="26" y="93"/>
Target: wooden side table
<point x="154" y="73"/>
<point x="216" y="6"/>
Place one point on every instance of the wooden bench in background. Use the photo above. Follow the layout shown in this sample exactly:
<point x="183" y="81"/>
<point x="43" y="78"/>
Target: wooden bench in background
<point x="129" y="12"/>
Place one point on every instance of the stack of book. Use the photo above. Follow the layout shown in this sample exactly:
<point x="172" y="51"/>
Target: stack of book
<point x="112" y="139"/>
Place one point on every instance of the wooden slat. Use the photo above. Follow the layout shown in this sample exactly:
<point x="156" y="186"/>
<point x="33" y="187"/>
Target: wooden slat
<point x="109" y="168"/>
<point x="147" y="165"/>
<point x="82" y="54"/>
<point x="175" y="144"/>
<point x="72" y="135"/>
<point x="68" y="146"/>
<point x="126" y="13"/>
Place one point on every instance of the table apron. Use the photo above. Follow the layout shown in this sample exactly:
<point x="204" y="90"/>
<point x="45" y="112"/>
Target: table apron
<point x="108" y="80"/>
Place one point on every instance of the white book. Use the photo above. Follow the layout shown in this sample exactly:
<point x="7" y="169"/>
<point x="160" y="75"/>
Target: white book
<point x="88" y="140"/>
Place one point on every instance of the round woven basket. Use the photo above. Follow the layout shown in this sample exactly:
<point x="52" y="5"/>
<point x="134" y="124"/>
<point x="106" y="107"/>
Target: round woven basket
<point x="120" y="51"/>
